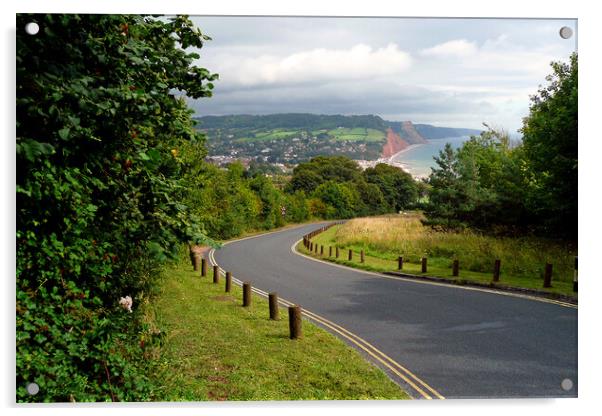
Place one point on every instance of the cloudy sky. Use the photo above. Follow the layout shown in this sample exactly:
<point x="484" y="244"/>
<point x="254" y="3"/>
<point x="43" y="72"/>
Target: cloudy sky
<point x="446" y="72"/>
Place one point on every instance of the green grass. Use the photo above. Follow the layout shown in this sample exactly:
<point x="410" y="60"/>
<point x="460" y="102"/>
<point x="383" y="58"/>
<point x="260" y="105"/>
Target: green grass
<point x="375" y="135"/>
<point x="385" y="261"/>
<point x="357" y="134"/>
<point x="217" y="350"/>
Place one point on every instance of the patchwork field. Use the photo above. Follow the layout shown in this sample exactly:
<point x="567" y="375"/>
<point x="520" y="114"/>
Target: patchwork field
<point x="357" y="134"/>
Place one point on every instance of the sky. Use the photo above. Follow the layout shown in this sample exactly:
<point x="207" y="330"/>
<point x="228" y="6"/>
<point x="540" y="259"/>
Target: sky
<point x="445" y="72"/>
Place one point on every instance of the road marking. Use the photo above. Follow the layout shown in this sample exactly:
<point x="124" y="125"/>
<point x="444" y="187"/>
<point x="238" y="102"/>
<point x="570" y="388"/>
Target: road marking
<point x="403" y="373"/>
<point x="406" y="279"/>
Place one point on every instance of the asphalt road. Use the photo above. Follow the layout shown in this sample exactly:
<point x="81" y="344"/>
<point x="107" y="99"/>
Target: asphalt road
<point x="463" y="343"/>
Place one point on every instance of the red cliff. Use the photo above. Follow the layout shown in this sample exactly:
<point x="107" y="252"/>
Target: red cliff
<point x="394" y="144"/>
<point x="410" y="134"/>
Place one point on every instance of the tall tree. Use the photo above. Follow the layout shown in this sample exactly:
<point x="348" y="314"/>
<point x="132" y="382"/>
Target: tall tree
<point x="550" y="148"/>
<point x="398" y="187"/>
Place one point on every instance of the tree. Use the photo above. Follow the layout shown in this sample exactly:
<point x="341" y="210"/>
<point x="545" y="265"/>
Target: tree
<point x="398" y="187"/>
<point x="550" y="150"/>
<point x="340" y="199"/>
<point x="100" y="189"/>
<point x="309" y="175"/>
<point x="480" y="184"/>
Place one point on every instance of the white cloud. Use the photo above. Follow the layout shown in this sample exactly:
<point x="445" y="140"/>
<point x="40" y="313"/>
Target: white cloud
<point x="314" y="66"/>
<point x="454" y="48"/>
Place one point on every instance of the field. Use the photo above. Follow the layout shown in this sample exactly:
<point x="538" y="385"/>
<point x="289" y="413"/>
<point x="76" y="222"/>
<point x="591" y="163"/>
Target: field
<point x="340" y="134"/>
<point x="357" y="134"/>
<point x="217" y="350"/>
<point x="386" y="238"/>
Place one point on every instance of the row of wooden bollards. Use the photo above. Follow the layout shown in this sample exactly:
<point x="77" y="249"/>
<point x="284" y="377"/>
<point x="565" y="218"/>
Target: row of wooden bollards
<point x="294" y="311"/>
<point x="316" y="248"/>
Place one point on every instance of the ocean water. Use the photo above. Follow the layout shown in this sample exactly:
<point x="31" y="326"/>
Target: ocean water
<point x="419" y="160"/>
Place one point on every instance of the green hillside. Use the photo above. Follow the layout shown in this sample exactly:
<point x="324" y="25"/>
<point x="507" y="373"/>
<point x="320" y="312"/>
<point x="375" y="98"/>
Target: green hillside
<point x="297" y="137"/>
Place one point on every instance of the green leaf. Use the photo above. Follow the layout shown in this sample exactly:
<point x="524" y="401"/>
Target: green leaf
<point x="64" y="133"/>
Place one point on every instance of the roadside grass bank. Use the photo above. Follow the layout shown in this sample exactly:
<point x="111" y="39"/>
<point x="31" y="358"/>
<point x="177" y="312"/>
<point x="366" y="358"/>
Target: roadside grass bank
<point x="384" y="239"/>
<point x="215" y="349"/>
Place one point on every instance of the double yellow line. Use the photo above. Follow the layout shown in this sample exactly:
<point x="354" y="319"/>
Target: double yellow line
<point x="421" y="387"/>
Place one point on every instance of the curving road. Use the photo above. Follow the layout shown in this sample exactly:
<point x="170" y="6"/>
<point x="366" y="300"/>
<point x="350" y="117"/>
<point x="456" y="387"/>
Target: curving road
<point x="459" y="343"/>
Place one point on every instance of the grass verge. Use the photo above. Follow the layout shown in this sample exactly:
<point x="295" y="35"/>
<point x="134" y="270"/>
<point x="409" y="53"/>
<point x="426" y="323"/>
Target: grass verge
<point x="217" y="350"/>
<point x="437" y="267"/>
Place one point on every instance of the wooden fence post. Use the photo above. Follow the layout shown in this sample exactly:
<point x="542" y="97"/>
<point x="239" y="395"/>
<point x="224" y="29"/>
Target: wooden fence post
<point x="350" y="254"/>
<point x="456" y="267"/>
<point x="246" y="294"/>
<point x="329" y="251"/>
<point x="424" y="265"/>
<point x="337" y="252"/>
<point x="228" y="282"/>
<point x="294" y="321"/>
<point x="191" y="254"/>
<point x="273" y="298"/>
<point x="203" y="267"/>
<point x="399" y="263"/>
<point x="547" y="277"/>
<point x="216" y="274"/>
<point x="362" y="256"/>
<point x="496" y="270"/>
<point x="195" y="262"/>
<point x="321" y="250"/>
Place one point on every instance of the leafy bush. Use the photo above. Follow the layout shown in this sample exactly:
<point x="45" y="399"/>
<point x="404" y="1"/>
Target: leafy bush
<point x="99" y="194"/>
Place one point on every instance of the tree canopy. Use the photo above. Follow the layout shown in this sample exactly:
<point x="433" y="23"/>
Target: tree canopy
<point x="529" y="187"/>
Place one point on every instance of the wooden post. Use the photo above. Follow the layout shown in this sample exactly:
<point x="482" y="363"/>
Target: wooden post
<point x="337" y="252"/>
<point x="203" y="267"/>
<point x="273" y="298"/>
<point x="191" y="254"/>
<point x="496" y="270"/>
<point x="400" y="263"/>
<point x="547" y="277"/>
<point x="575" y="277"/>
<point x="195" y="262"/>
<point x="329" y="251"/>
<point x="228" y="282"/>
<point x="350" y="255"/>
<point x="455" y="268"/>
<point x="311" y="246"/>
<point x="215" y="274"/>
<point x="294" y="322"/>
<point x="424" y="265"/>
<point x="246" y="294"/>
<point x="362" y="256"/>
<point x="321" y="250"/>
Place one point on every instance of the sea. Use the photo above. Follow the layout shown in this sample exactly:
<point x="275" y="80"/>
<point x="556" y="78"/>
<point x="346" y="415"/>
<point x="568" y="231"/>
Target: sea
<point x="419" y="159"/>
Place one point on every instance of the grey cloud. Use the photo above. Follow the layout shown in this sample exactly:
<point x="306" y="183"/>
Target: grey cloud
<point x="511" y="58"/>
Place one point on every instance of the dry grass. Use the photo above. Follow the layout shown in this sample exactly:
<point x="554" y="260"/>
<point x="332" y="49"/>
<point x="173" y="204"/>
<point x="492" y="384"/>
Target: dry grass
<point x="390" y="236"/>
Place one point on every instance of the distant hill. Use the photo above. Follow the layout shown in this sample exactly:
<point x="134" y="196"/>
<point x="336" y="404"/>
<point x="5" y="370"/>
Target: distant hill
<point x="434" y="133"/>
<point x="296" y="137"/>
<point x="291" y="121"/>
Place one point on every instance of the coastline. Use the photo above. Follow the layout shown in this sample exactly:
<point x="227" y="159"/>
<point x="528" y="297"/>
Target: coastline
<point x="393" y="162"/>
<point x="410" y="147"/>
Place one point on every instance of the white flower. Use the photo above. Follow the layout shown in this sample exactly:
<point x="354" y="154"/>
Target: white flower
<point x="126" y="303"/>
